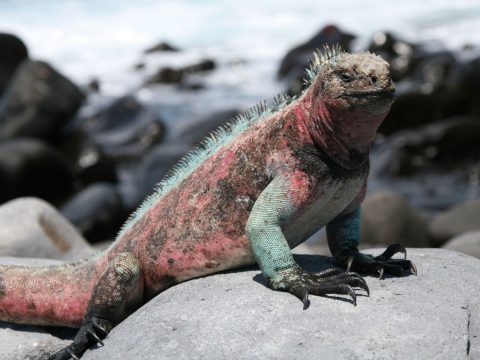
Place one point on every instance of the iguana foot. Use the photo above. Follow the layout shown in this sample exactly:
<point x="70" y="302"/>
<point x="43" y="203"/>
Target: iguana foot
<point x="301" y="283"/>
<point x="383" y="263"/>
<point x="91" y="332"/>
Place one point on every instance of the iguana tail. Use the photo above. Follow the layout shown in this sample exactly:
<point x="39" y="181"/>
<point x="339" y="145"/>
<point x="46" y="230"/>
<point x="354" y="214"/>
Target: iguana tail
<point x="49" y="295"/>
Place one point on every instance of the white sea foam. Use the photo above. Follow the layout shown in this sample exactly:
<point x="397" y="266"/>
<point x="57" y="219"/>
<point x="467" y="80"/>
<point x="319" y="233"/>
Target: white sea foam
<point x="104" y="39"/>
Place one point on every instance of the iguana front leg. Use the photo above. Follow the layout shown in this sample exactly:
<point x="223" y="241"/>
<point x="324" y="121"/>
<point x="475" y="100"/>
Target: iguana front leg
<point x="117" y="293"/>
<point x="343" y="235"/>
<point x="277" y="204"/>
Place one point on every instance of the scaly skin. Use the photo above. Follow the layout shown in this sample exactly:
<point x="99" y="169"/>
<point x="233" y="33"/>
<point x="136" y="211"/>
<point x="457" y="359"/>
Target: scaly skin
<point x="252" y="197"/>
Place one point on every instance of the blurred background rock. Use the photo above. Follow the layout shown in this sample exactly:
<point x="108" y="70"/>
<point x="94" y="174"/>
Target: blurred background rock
<point x="99" y="99"/>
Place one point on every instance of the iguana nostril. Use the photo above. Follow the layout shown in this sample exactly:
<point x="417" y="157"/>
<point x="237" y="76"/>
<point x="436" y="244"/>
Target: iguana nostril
<point x="374" y="79"/>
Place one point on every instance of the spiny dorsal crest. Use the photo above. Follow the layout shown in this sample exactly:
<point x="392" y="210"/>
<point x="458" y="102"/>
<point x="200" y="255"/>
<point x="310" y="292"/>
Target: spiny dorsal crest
<point x="329" y="54"/>
<point x="320" y="58"/>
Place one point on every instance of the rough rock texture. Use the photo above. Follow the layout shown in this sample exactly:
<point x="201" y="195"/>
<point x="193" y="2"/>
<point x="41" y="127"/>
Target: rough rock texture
<point x="388" y="218"/>
<point x="30" y="227"/>
<point x="456" y="221"/>
<point x="433" y="316"/>
<point x="468" y="243"/>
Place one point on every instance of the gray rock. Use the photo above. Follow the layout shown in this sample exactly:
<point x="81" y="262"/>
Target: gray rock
<point x="31" y="227"/>
<point x="235" y="316"/>
<point x="29" y="342"/>
<point x="387" y="219"/>
<point x="468" y="243"/>
<point x="456" y="221"/>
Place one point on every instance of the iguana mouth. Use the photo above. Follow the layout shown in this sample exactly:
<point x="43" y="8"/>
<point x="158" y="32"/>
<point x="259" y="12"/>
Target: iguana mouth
<point x="385" y="93"/>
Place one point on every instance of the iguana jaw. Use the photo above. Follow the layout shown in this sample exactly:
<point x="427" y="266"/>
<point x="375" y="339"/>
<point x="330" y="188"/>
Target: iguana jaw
<point x="387" y="94"/>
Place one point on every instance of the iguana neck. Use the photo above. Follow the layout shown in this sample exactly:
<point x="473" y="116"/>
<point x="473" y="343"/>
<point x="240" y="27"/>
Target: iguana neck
<point x="346" y="136"/>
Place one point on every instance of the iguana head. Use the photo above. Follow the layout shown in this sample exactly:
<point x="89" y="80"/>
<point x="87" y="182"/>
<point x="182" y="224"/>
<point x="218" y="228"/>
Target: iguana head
<point x="354" y="81"/>
<point x="349" y="95"/>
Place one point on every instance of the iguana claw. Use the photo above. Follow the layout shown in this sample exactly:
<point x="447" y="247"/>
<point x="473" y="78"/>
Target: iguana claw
<point x="383" y="263"/>
<point x="349" y="262"/>
<point x="91" y="332"/>
<point x="306" y="302"/>
<point x="392" y="250"/>
<point x="72" y="354"/>
<point x="302" y="283"/>
<point x="413" y="269"/>
<point x="352" y="294"/>
<point x="380" y="270"/>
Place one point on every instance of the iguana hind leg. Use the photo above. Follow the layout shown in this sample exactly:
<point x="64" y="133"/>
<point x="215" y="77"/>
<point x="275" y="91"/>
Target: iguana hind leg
<point x="343" y="236"/>
<point x="117" y="293"/>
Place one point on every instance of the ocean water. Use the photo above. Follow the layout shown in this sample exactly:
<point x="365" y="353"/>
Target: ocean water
<point x="88" y="39"/>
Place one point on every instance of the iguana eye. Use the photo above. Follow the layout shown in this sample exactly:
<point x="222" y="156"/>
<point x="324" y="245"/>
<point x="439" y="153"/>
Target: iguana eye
<point x="345" y="76"/>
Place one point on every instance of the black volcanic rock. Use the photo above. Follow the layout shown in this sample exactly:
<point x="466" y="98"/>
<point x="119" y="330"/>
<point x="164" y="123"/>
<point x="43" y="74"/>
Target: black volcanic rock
<point x="162" y="46"/>
<point x="12" y="52"/>
<point x="97" y="211"/>
<point x="30" y="167"/>
<point x="168" y="75"/>
<point x="125" y="129"/>
<point x="297" y="59"/>
<point x="38" y="103"/>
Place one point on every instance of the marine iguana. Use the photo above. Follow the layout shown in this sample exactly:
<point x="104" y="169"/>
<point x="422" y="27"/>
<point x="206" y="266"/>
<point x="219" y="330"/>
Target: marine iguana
<point x="252" y="191"/>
